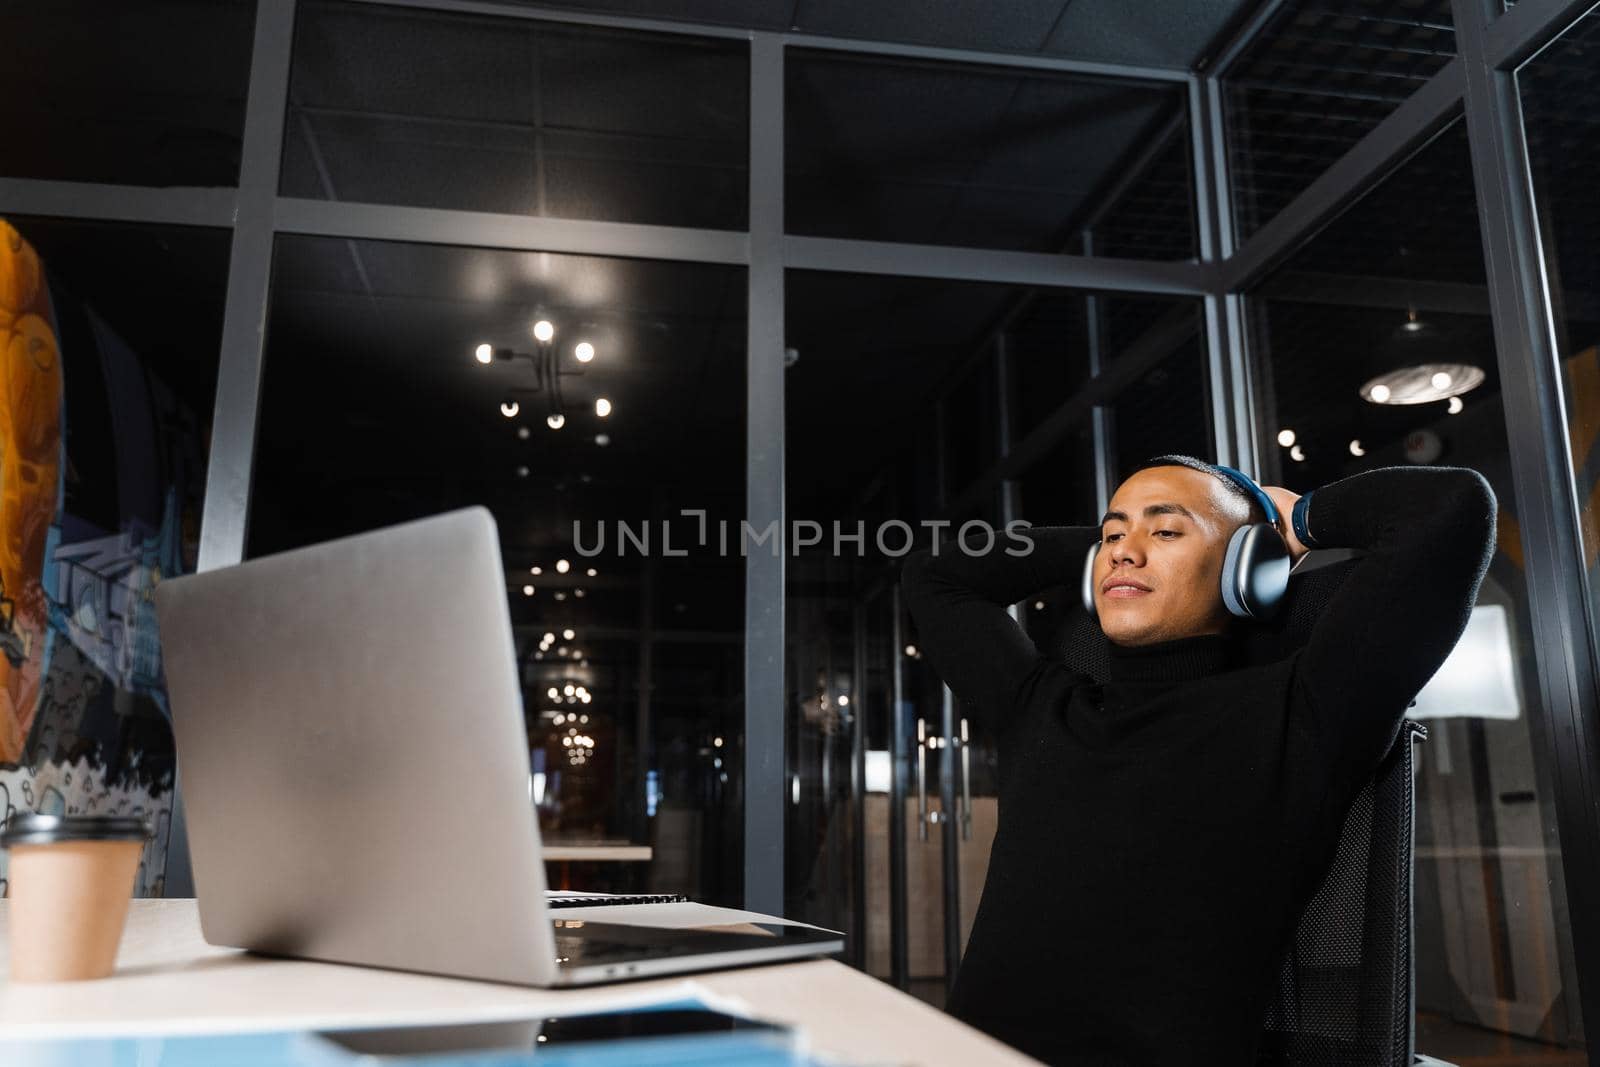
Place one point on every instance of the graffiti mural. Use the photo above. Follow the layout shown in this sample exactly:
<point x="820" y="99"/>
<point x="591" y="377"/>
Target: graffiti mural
<point x="100" y="469"/>
<point x="30" y="481"/>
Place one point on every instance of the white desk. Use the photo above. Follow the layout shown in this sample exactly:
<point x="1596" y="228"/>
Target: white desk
<point x="168" y="979"/>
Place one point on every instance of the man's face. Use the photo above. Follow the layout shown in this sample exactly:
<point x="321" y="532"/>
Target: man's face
<point x="1158" y="574"/>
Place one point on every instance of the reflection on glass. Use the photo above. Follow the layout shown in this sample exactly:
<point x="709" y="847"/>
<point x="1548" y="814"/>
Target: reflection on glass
<point x="132" y="94"/>
<point x="1393" y="285"/>
<point x="109" y="333"/>
<point x="376" y="409"/>
<point x="1559" y="98"/>
<point x="429" y="109"/>
<point x="931" y="153"/>
<point x="1315" y="80"/>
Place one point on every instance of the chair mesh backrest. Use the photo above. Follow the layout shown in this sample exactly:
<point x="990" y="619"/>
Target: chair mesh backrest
<point x="1344" y="992"/>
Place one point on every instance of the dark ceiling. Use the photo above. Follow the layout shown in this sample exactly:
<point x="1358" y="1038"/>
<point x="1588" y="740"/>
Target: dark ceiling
<point x="1160" y="33"/>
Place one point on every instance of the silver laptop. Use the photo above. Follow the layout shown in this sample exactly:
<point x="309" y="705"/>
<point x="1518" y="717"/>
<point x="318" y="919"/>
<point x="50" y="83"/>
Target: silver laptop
<point x="350" y="738"/>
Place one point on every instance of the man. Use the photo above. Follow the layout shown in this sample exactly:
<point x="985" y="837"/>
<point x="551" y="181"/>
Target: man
<point x="1160" y="833"/>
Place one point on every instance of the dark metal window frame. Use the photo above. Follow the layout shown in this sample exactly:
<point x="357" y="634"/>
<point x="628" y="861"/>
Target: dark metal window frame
<point x="1480" y="80"/>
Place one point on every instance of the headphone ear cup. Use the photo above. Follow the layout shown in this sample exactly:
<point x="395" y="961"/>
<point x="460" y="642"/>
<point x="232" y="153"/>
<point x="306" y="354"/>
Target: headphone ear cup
<point x="1232" y="586"/>
<point x="1255" y="572"/>
<point x="1088" y="579"/>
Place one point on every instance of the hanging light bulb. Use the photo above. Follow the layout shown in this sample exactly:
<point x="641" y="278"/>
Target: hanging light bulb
<point x="1455" y="405"/>
<point x="1356" y="449"/>
<point x="1297" y="454"/>
<point x="1286" y="438"/>
<point x="543" y="331"/>
<point x="1379" y="394"/>
<point x="602" y="407"/>
<point x="484" y="353"/>
<point x="602" y="439"/>
<point x="584" y="351"/>
<point x="555" y="421"/>
<point x="569" y="633"/>
<point x="509" y="408"/>
<point x="527" y="590"/>
<point x="1441" y="380"/>
<point x="591" y="572"/>
<point x="563" y="566"/>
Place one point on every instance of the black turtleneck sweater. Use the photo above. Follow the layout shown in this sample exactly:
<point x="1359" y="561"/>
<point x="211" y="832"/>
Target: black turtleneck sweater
<point x="1160" y="833"/>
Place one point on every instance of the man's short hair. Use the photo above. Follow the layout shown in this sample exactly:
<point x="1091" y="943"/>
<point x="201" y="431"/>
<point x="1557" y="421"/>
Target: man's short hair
<point x="1257" y="514"/>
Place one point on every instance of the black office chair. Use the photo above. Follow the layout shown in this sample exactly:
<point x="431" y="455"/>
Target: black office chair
<point x="1345" y="993"/>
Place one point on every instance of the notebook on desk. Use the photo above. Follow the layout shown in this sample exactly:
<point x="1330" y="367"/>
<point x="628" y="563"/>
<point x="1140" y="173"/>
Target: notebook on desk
<point x="349" y="728"/>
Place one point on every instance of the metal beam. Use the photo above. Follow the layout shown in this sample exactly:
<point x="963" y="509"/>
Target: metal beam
<point x="226" y="507"/>
<point x="1528" y="27"/>
<point x="764" y="704"/>
<point x="977" y="264"/>
<point x="1388" y="143"/>
<point x="1013" y="60"/>
<point x="227" y="498"/>
<point x="1547" y="504"/>
<point x="176" y="206"/>
<point x="1232" y="408"/>
<point x="387" y="222"/>
<point x="899" y="760"/>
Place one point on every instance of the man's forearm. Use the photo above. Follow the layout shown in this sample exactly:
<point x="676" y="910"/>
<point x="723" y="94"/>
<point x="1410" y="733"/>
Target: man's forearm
<point x="1428" y="533"/>
<point x="958" y="600"/>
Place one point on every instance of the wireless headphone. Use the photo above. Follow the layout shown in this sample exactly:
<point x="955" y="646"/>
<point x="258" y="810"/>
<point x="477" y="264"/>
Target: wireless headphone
<point x="1255" y="570"/>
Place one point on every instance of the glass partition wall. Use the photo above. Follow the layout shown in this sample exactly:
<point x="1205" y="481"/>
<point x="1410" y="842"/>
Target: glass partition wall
<point x="814" y="299"/>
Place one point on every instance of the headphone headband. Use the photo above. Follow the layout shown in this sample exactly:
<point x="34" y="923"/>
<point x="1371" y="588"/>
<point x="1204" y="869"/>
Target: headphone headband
<point x="1245" y="482"/>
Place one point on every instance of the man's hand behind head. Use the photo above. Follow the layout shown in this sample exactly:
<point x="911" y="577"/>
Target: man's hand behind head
<point x="1283" y="500"/>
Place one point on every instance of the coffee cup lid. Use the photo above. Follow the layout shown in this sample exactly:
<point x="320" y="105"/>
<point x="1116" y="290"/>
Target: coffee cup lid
<point x="32" y="828"/>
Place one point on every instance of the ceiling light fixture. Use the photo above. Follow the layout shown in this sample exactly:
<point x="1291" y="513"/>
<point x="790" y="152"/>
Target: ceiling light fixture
<point x="602" y="407"/>
<point x="1356" y="449"/>
<point x="1286" y="438"/>
<point x="1455" y="406"/>
<point x="1424" y="383"/>
<point x="1297" y="455"/>
<point x="547" y="371"/>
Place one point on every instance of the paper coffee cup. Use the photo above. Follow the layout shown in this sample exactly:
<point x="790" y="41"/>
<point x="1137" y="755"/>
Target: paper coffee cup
<point x="71" y="877"/>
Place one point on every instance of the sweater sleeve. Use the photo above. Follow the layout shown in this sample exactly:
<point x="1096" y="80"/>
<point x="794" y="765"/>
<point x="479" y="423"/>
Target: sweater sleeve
<point x="1428" y="534"/>
<point x="958" y="597"/>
